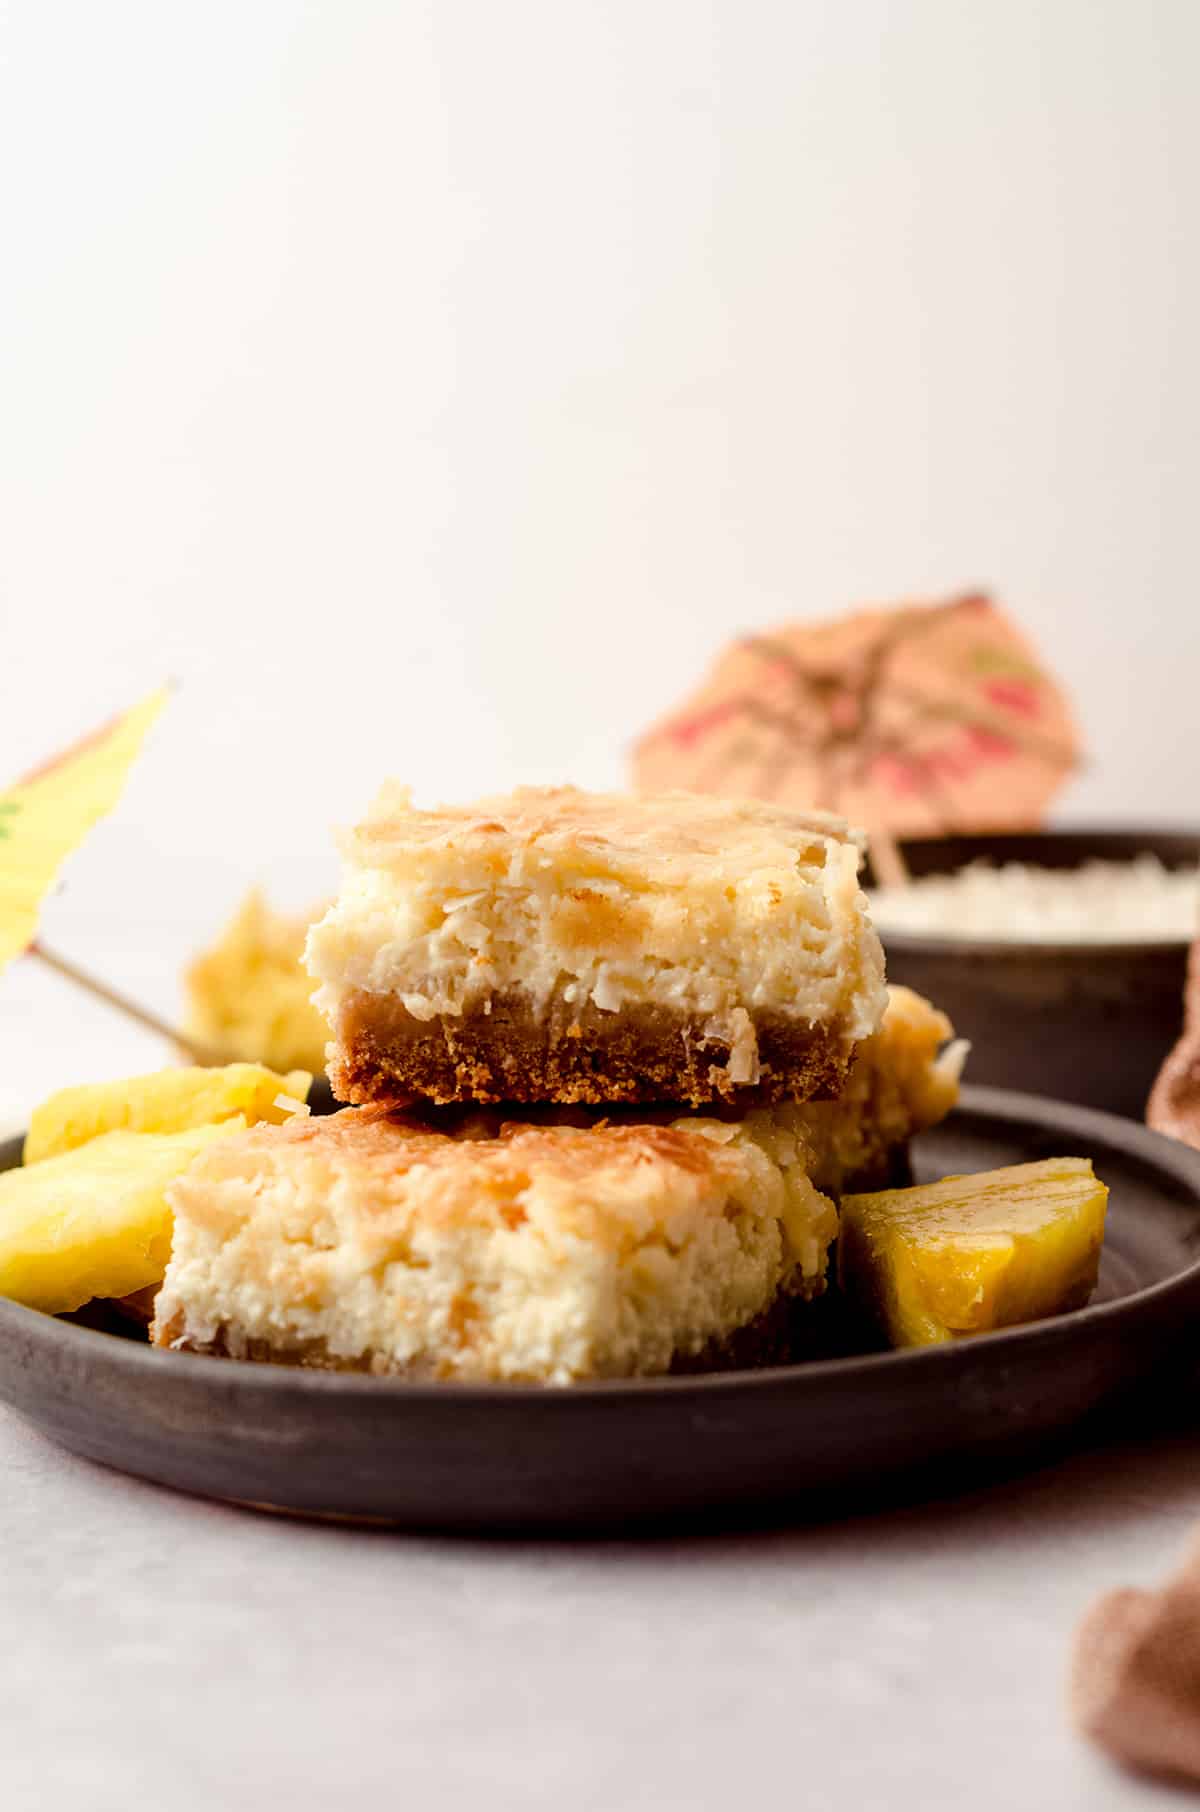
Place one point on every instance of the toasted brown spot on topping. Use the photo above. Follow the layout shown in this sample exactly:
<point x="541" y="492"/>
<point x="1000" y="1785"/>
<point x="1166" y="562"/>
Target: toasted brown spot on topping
<point x="463" y="1317"/>
<point x="584" y="917"/>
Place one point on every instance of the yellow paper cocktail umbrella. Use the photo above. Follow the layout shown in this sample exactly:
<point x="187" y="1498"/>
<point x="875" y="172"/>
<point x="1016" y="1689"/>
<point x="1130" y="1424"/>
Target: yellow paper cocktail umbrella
<point x="46" y="816"/>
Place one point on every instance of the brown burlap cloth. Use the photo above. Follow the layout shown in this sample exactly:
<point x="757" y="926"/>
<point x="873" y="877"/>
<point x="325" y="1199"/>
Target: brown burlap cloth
<point x="1174" y="1106"/>
<point x="1135" y="1672"/>
<point x="1135" y="1675"/>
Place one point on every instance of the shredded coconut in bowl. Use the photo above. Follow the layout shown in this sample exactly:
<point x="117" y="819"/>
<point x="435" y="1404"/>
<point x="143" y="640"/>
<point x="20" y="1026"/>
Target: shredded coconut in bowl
<point x="1099" y="903"/>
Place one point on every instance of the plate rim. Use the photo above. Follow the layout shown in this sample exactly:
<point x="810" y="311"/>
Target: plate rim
<point x="51" y="1332"/>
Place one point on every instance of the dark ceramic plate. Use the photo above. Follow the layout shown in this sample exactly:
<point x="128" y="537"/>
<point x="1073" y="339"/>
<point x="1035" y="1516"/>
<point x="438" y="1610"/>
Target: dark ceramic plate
<point x="1079" y="1022"/>
<point x="598" y="1456"/>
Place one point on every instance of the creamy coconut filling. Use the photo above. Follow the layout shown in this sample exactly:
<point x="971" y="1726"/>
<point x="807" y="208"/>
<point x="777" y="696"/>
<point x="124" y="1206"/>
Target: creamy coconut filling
<point x="717" y="954"/>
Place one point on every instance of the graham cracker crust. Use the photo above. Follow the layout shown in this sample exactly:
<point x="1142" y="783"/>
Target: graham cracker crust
<point x="381" y="1053"/>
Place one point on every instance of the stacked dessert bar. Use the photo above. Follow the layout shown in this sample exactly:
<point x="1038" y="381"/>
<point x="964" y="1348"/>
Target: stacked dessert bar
<point x="612" y="1060"/>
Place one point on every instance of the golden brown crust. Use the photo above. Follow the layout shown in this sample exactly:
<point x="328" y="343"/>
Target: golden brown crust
<point x="572" y="1054"/>
<point x="659" y="829"/>
<point x="383" y="1144"/>
<point x="388" y="1174"/>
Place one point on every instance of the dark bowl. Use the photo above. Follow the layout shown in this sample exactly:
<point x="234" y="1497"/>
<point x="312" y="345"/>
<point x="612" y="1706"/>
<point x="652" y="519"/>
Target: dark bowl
<point x="1078" y="1022"/>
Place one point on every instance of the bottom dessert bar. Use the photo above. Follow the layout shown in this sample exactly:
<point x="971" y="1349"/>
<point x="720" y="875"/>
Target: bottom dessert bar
<point x="532" y="1250"/>
<point x="539" y="1254"/>
<point x="547" y="1253"/>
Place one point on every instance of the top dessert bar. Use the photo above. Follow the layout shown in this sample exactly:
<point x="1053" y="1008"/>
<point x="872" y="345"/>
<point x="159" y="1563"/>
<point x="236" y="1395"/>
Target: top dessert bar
<point x="555" y="945"/>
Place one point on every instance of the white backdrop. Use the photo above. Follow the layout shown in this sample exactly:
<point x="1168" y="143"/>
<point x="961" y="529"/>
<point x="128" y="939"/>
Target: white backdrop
<point x="432" y="388"/>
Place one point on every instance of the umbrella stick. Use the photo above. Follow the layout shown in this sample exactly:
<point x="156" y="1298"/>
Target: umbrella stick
<point x="891" y="870"/>
<point x="121" y="1002"/>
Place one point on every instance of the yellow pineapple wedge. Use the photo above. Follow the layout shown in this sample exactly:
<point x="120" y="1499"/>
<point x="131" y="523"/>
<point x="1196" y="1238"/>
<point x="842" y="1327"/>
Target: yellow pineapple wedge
<point x="94" y="1221"/>
<point x="973" y="1253"/>
<point x="167" y="1101"/>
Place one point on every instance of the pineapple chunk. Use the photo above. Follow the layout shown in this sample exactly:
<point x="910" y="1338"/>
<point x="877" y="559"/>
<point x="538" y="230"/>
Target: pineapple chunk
<point x="249" y="995"/>
<point x="94" y="1222"/>
<point x="167" y="1101"/>
<point x="973" y="1253"/>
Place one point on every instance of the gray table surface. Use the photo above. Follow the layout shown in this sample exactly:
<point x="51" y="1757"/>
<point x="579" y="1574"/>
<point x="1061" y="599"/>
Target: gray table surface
<point x="158" y="1649"/>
